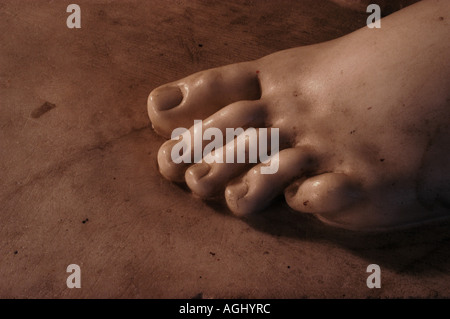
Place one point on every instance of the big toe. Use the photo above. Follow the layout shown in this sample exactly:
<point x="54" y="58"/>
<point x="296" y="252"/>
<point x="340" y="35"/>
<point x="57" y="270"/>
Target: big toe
<point x="179" y="103"/>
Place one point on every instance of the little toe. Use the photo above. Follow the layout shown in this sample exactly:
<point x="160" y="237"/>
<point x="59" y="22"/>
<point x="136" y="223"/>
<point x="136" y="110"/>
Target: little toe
<point x="198" y="96"/>
<point x="321" y="194"/>
<point x="255" y="190"/>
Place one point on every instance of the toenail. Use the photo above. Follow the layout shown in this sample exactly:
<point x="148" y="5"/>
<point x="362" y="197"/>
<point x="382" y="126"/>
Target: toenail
<point x="237" y="191"/>
<point x="166" y="97"/>
<point x="199" y="170"/>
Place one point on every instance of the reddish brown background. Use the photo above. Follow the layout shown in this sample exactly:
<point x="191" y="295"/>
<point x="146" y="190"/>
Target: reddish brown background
<point x="79" y="181"/>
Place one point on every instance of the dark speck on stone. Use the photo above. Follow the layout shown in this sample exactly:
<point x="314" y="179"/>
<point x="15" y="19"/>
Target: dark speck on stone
<point x="198" y="296"/>
<point x="44" y="108"/>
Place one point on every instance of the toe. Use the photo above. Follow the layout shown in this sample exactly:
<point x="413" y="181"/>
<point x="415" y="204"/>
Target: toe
<point x="166" y="97"/>
<point x="325" y="193"/>
<point x="167" y="167"/>
<point x="255" y="190"/>
<point x="179" y="103"/>
<point x="209" y="178"/>
<point x="240" y="115"/>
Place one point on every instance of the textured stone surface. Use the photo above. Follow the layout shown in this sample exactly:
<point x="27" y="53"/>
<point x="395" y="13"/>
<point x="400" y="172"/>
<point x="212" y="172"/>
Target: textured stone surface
<point x="80" y="184"/>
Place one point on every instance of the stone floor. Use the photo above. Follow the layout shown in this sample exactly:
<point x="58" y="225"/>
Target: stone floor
<point x="80" y="185"/>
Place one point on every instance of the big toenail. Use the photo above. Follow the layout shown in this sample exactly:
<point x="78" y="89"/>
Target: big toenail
<point x="199" y="170"/>
<point x="166" y="97"/>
